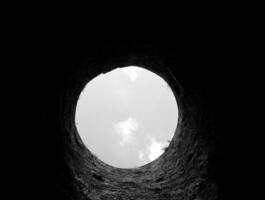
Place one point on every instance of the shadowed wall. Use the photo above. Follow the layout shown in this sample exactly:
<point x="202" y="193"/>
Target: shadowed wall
<point x="191" y="168"/>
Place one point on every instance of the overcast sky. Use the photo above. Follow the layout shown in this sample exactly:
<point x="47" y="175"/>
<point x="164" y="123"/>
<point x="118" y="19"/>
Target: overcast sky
<point x="126" y="116"/>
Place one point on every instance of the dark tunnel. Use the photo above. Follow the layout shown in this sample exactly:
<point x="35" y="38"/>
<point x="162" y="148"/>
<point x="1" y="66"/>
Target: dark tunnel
<point x="193" y="165"/>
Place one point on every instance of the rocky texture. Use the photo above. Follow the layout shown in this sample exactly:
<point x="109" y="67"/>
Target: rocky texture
<point x="184" y="171"/>
<point x="58" y="164"/>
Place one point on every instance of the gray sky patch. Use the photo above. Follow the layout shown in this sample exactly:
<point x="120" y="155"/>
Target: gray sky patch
<point x="126" y="116"/>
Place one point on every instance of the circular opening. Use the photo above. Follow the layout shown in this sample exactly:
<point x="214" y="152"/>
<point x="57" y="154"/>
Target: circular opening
<point x="127" y="117"/>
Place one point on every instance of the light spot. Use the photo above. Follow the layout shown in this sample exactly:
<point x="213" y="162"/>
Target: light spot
<point x="155" y="149"/>
<point x="132" y="72"/>
<point x="119" y="112"/>
<point x="125" y="130"/>
<point x="141" y="156"/>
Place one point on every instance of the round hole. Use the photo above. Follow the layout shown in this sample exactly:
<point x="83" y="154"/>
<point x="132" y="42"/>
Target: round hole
<point x="127" y="117"/>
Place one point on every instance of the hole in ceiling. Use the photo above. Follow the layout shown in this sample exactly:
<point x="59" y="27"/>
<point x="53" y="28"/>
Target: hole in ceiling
<point x="127" y="117"/>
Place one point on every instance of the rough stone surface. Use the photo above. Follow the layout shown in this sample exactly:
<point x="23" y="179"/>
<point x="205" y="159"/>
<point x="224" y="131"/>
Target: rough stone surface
<point x="58" y="165"/>
<point x="182" y="172"/>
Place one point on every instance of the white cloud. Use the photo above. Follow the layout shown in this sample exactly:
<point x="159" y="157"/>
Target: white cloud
<point x="125" y="129"/>
<point x="155" y="149"/>
<point x="132" y="72"/>
<point x="141" y="155"/>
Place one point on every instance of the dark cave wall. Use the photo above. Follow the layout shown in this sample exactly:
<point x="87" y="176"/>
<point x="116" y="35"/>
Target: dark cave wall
<point x="191" y="167"/>
<point x="58" y="166"/>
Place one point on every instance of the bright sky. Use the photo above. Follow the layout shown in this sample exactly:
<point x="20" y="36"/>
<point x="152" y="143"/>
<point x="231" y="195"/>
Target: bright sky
<point x="126" y="117"/>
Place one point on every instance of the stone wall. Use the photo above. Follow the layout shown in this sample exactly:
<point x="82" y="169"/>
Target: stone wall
<point x="59" y="166"/>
